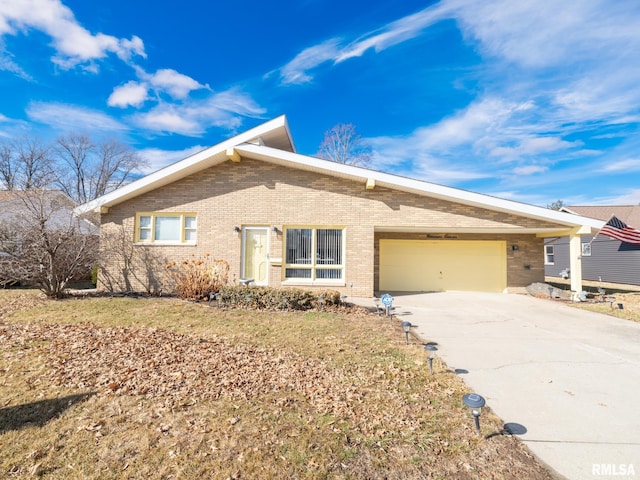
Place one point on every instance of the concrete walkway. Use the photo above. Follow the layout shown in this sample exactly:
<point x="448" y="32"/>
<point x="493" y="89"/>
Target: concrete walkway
<point x="569" y="378"/>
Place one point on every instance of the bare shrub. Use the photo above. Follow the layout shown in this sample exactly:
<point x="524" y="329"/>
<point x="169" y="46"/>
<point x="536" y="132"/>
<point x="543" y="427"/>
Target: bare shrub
<point x="196" y="278"/>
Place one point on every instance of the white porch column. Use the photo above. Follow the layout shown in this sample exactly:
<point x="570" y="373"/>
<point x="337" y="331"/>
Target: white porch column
<point x="575" y="264"/>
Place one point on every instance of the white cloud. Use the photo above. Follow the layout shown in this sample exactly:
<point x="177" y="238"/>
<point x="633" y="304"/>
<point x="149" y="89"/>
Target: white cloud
<point x="335" y="50"/>
<point x="74" y="45"/>
<point x="628" y="197"/>
<point x="157" y="159"/>
<point x="130" y="94"/>
<point x="396" y="32"/>
<point x="67" y="117"/>
<point x="541" y="34"/>
<point x="528" y="146"/>
<point x="135" y="93"/>
<point x="193" y="118"/>
<point x="530" y="170"/>
<point x="622" y="166"/>
<point x="170" y="119"/>
<point x="481" y="141"/>
<point x="8" y="64"/>
<point x="296" y="70"/>
<point x="176" y="84"/>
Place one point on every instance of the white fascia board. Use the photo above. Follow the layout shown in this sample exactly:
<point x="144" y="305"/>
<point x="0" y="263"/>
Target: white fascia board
<point x="192" y="164"/>
<point x="418" y="187"/>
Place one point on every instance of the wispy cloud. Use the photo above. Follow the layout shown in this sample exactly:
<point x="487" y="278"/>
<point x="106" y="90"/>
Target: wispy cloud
<point x="396" y="32"/>
<point x="73" y="44"/>
<point x="297" y="70"/>
<point x="8" y="64"/>
<point x="338" y="50"/>
<point x="193" y="117"/>
<point x="551" y="75"/>
<point x="157" y="158"/>
<point x="162" y="98"/>
<point x="65" y="117"/>
<point x="622" y="166"/>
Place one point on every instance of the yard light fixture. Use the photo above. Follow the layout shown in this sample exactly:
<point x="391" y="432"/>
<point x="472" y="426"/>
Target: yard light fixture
<point x="475" y="403"/>
<point x="320" y="301"/>
<point x="376" y="300"/>
<point x="215" y="296"/>
<point x="406" y="326"/>
<point x="236" y="229"/>
<point x="431" y="348"/>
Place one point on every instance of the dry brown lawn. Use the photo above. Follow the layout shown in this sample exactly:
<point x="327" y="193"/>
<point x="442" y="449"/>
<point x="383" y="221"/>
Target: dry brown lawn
<point x="630" y="306"/>
<point x="161" y="388"/>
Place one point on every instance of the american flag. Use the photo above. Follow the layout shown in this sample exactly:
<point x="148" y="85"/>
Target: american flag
<point x="616" y="228"/>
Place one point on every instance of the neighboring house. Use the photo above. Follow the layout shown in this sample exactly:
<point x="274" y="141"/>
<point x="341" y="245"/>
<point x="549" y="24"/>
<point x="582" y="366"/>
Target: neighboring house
<point x="21" y="210"/>
<point x="285" y="219"/>
<point x="603" y="259"/>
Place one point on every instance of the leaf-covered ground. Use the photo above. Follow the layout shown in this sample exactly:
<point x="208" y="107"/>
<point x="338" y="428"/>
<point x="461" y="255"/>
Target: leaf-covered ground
<point x="165" y="389"/>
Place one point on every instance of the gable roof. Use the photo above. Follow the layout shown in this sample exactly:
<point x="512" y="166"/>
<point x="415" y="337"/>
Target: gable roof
<point x="271" y="142"/>
<point x="629" y="214"/>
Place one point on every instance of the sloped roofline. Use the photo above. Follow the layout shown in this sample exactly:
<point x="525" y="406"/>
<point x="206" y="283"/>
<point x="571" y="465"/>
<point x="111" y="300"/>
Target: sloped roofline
<point x="274" y="131"/>
<point x="247" y="145"/>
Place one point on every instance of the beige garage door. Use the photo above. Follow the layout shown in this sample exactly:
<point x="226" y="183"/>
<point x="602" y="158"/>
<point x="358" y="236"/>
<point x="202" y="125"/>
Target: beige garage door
<point x="438" y="265"/>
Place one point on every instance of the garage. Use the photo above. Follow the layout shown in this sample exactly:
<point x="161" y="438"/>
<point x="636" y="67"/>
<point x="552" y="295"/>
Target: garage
<point x="439" y="265"/>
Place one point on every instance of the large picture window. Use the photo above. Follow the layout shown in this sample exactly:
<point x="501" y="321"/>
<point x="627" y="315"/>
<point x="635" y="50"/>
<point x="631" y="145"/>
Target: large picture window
<point x="166" y="228"/>
<point x="314" y="255"/>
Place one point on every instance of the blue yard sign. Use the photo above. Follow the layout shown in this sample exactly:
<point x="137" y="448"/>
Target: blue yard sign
<point x="387" y="300"/>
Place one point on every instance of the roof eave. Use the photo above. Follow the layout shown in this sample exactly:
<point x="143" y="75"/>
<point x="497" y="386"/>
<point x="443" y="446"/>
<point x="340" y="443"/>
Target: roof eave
<point x="194" y="163"/>
<point x="418" y="187"/>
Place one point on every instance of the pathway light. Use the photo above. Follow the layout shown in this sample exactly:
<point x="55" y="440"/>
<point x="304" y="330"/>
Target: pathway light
<point x="431" y="348"/>
<point x="406" y="326"/>
<point x="475" y="403"/>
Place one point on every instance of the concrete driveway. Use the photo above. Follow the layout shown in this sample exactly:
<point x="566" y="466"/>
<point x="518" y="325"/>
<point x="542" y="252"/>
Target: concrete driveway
<point x="570" y="378"/>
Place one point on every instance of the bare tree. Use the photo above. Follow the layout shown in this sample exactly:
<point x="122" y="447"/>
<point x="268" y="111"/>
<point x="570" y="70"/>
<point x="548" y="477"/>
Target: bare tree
<point x="8" y="166"/>
<point x="26" y="164"/>
<point x="116" y="166"/>
<point x="74" y="151"/>
<point x="95" y="169"/>
<point x="42" y="243"/>
<point x="557" y="205"/>
<point x="342" y="144"/>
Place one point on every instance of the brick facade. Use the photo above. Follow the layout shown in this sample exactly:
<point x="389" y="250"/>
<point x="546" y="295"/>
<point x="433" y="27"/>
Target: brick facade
<point x="255" y="193"/>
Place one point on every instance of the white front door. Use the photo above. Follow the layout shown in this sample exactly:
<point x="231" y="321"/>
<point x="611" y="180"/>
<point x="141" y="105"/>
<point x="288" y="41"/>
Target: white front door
<point x="254" y="254"/>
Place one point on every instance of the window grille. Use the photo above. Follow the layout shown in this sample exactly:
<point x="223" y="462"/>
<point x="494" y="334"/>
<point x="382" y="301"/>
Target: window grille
<point x="314" y="253"/>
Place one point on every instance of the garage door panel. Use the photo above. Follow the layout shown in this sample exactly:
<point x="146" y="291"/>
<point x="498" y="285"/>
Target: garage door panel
<point x="423" y="265"/>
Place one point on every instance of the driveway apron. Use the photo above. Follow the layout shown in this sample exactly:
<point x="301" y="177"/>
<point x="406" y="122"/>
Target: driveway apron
<point x="567" y="379"/>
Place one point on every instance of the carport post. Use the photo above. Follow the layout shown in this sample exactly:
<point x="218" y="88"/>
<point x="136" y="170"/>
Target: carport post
<point x="575" y="264"/>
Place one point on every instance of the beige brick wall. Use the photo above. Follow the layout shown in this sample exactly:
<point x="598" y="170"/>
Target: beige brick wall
<point x="253" y="193"/>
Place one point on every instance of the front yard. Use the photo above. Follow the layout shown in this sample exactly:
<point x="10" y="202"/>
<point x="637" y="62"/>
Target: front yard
<point x="162" y="388"/>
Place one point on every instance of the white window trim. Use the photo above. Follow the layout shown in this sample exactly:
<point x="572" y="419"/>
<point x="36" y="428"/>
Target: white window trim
<point x="313" y="281"/>
<point x="546" y="255"/>
<point x="153" y="215"/>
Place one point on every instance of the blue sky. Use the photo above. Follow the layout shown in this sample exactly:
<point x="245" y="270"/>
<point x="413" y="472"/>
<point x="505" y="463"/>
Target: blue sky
<point x="526" y="100"/>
